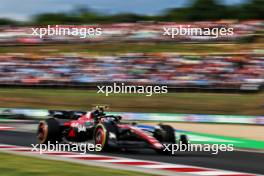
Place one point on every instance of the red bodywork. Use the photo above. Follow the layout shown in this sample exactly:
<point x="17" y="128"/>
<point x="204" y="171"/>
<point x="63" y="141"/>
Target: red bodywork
<point x="88" y="119"/>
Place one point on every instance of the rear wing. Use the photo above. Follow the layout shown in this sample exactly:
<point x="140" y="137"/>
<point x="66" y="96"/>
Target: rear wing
<point x="62" y="114"/>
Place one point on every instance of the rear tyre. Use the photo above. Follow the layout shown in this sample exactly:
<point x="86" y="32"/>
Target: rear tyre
<point x="49" y="131"/>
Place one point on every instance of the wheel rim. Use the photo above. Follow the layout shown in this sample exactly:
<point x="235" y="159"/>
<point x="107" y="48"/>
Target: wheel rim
<point x="100" y="137"/>
<point x="42" y="132"/>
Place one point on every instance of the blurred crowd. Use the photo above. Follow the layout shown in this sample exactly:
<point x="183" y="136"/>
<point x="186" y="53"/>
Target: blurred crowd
<point x="242" y="71"/>
<point x="141" y="31"/>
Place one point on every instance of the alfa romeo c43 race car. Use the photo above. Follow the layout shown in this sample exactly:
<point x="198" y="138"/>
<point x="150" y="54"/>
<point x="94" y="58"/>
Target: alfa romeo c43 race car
<point x="107" y="130"/>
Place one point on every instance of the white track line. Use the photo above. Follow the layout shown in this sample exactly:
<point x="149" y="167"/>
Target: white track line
<point x="6" y="128"/>
<point x="131" y="163"/>
<point x="165" y="166"/>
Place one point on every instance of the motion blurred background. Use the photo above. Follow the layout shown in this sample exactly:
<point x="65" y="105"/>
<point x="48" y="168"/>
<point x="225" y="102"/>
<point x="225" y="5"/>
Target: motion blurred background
<point x="133" y="50"/>
<point x="205" y="75"/>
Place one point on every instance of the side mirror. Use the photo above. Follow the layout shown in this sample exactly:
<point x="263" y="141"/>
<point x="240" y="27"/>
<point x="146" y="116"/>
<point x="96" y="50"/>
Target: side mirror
<point x="119" y="117"/>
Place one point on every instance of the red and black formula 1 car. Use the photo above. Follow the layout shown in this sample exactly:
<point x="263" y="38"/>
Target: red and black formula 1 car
<point x="106" y="130"/>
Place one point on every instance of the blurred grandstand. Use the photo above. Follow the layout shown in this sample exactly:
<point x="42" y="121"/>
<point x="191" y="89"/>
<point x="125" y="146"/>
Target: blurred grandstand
<point x="237" y="70"/>
<point x="138" y="32"/>
<point x="243" y="71"/>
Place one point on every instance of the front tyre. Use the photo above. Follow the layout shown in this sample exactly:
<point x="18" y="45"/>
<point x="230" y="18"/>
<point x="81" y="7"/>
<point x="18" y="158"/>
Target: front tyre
<point x="184" y="139"/>
<point x="166" y="135"/>
<point x="102" y="135"/>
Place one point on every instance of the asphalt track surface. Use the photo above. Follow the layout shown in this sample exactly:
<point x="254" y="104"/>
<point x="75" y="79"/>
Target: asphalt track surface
<point x="240" y="161"/>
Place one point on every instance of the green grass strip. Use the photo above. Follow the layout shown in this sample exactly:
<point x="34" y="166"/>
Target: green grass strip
<point x="14" y="165"/>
